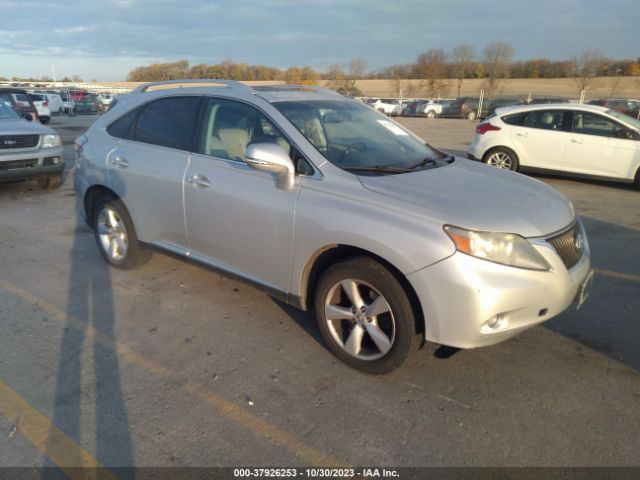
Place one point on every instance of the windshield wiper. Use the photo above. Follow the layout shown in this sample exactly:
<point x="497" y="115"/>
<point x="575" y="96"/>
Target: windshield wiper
<point x="423" y="163"/>
<point x="377" y="169"/>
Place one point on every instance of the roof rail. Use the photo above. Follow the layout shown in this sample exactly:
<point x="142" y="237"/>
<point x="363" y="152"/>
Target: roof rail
<point x="232" y="84"/>
<point x="293" y="88"/>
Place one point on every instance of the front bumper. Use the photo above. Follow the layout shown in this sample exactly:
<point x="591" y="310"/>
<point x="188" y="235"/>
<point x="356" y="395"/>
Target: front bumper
<point x="461" y="295"/>
<point x="15" y="166"/>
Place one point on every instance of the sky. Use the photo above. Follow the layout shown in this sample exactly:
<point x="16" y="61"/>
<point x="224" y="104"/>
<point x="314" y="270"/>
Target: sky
<point x="105" y="39"/>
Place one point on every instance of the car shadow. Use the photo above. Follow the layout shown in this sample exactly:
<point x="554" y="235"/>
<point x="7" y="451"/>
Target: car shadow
<point x="608" y="321"/>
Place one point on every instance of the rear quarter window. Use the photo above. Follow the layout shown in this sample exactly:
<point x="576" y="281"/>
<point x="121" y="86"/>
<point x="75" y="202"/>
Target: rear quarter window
<point x="123" y="127"/>
<point x="514" y="119"/>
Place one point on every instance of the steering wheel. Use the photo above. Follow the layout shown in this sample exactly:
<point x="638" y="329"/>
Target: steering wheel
<point x="350" y="148"/>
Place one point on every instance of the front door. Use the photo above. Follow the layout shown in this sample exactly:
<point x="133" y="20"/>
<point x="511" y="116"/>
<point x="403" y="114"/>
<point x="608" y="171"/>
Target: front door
<point x="237" y="219"/>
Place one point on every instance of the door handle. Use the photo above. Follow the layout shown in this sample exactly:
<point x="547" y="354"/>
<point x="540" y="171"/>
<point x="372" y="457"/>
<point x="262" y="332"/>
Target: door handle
<point x="199" y="181"/>
<point x="120" y="162"/>
<point x="577" y="140"/>
<point x="522" y="134"/>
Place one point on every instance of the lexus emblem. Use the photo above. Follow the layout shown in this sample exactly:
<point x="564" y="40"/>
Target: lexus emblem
<point x="577" y="242"/>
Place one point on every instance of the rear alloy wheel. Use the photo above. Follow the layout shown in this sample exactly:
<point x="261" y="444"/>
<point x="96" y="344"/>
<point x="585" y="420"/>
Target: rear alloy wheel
<point x="116" y="235"/>
<point x="502" y="158"/>
<point x="471" y="115"/>
<point x="431" y="114"/>
<point x="365" y="316"/>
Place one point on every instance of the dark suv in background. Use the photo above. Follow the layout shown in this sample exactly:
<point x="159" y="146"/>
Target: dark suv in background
<point x="20" y="102"/>
<point x="466" y="107"/>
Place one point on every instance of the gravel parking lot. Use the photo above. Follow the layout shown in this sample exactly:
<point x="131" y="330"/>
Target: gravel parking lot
<point x="172" y="364"/>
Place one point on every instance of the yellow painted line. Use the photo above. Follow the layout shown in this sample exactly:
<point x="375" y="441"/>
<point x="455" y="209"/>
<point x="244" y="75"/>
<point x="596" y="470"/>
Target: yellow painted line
<point x="49" y="439"/>
<point x="229" y="409"/>
<point x="620" y="275"/>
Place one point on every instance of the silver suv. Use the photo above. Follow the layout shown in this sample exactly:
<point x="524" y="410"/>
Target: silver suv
<point x="327" y="204"/>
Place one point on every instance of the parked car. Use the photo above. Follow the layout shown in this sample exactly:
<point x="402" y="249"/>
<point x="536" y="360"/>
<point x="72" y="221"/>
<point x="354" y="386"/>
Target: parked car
<point x="68" y="104"/>
<point x="55" y="102"/>
<point x="423" y="108"/>
<point x="20" y="102"/>
<point x="87" y="104"/>
<point x="104" y="100"/>
<point x="395" y="242"/>
<point x="628" y="107"/>
<point x="573" y="139"/>
<point x="42" y="107"/>
<point x="499" y="103"/>
<point x="467" y="107"/>
<point x="29" y="150"/>
<point x="539" y="100"/>
<point x="389" y="106"/>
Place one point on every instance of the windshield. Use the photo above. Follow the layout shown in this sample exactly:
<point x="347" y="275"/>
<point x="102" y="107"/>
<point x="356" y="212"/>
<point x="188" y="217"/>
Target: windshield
<point x="354" y="137"/>
<point x="6" y="112"/>
<point x="625" y="118"/>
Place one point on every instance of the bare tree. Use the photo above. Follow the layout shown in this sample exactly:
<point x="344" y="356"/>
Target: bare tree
<point x="345" y="82"/>
<point x="462" y="56"/>
<point x="398" y="82"/>
<point x="585" y="68"/>
<point x="430" y="66"/>
<point x="497" y="58"/>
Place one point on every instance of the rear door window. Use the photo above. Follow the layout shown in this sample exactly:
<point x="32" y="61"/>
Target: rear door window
<point x="544" y="119"/>
<point x="169" y="122"/>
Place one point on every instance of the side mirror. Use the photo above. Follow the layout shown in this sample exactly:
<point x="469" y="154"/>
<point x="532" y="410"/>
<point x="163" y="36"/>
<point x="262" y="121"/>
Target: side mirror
<point x="270" y="157"/>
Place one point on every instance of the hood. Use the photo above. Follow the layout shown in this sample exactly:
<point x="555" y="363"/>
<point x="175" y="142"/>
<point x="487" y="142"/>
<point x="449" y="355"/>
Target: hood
<point x="23" y="127"/>
<point x="476" y="196"/>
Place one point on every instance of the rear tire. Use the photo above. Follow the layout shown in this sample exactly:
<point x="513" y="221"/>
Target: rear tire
<point x="502" y="157"/>
<point x="636" y="183"/>
<point x="431" y="114"/>
<point x="116" y="236"/>
<point x="471" y="115"/>
<point x="44" y="120"/>
<point x="365" y="316"/>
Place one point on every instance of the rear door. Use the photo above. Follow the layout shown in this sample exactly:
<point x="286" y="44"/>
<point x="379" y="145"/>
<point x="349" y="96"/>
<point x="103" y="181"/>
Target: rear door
<point x="595" y="147"/>
<point x="147" y="167"/>
<point x="540" y="138"/>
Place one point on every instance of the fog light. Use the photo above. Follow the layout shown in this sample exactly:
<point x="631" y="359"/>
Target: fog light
<point x="496" y="323"/>
<point x="48" y="161"/>
<point x="56" y="160"/>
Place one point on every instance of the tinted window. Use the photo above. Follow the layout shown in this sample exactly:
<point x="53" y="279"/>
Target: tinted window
<point x="230" y="126"/>
<point x="168" y="122"/>
<point x="544" y="119"/>
<point x="515" y="119"/>
<point x="591" y="124"/>
<point x="122" y="128"/>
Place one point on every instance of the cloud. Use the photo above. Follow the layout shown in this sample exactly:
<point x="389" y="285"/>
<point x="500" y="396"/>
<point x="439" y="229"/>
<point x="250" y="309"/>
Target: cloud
<point x="305" y="32"/>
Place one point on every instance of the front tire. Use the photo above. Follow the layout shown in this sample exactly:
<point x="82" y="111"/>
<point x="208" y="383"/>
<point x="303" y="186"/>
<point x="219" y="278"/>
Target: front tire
<point x="116" y="236"/>
<point x="50" y="182"/>
<point x="365" y="317"/>
<point x="431" y="114"/>
<point x="471" y="115"/>
<point x="502" y="157"/>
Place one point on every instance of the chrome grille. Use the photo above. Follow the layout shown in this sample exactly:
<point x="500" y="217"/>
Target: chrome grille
<point x="18" y="141"/>
<point x="18" y="164"/>
<point x="569" y="245"/>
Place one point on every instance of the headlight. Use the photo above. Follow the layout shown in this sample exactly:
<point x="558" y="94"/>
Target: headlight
<point x="505" y="248"/>
<point x="51" y="140"/>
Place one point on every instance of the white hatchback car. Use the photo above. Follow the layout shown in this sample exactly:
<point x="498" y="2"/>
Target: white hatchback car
<point x="581" y="140"/>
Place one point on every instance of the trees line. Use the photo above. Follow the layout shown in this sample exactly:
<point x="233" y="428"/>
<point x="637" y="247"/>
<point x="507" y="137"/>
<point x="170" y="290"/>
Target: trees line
<point x="432" y="67"/>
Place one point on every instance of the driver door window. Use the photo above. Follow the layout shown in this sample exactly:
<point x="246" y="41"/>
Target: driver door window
<point x="229" y="127"/>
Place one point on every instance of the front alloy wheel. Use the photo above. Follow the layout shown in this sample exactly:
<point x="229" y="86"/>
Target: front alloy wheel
<point x="365" y="316"/>
<point x="359" y="319"/>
